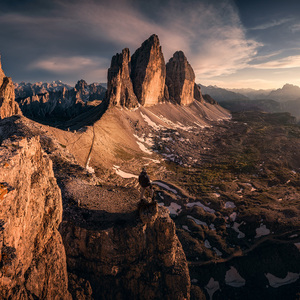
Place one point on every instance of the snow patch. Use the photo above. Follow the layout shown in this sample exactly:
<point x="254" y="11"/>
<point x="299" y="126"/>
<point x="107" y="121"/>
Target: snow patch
<point x="233" y="278"/>
<point x="208" y="209"/>
<point x="166" y="187"/>
<point x="261" y="231"/>
<point x="235" y="227"/>
<point x="212" y="287"/>
<point x="212" y="226"/>
<point x="229" y="204"/>
<point x="141" y="139"/>
<point x="218" y="252"/>
<point x="197" y="221"/>
<point x="297" y="245"/>
<point x="150" y="122"/>
<point x="276" y="282"/>
<point x="174" y="208"/>
<point x="207" y="244"/>
<point x="186" y="228"/>
<point x="293" y="236"/>
<point x="233" y="216"/>
<point x="143" y="148"/>
<point x="123" y="174"/>
<point x="153" y="160"/>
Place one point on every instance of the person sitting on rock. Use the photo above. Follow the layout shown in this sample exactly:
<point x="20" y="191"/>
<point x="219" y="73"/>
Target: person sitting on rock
<point x="145" y="183"/>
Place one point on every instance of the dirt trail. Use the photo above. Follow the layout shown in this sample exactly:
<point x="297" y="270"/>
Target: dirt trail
<point x="91" y="149"/>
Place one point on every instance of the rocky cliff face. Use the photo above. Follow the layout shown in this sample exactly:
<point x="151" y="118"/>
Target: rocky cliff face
<point x="180" y="79"/>
<point x="148" y="72"/>
<point x="8" y="106"/>
<point x="119" y="86"/>
<point x="33" y="262"/>
<point x="131" y="260"/>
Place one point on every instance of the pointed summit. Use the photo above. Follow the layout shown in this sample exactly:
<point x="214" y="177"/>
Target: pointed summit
<point x="180" y="79"/>
<point x="119" y="86"/>
<point x="148" y="72"/>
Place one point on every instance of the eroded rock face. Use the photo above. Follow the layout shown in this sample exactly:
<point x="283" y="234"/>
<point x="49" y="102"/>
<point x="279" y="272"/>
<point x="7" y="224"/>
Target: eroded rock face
<point x="119" y="86"/>
<point x="197" y="93"/>
<point x="129" y="261"/>
<point x="33" y="262"/>
<point x="8" y="106"/>
<point x="148" y="72"/>
<point x="180" y="79"/>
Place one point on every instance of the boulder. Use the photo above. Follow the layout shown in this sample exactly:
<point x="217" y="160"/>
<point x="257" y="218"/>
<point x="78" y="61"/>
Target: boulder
<point x="180" y="79"/>
<point x="148" y="72"/>
<point x="119" y="86"/>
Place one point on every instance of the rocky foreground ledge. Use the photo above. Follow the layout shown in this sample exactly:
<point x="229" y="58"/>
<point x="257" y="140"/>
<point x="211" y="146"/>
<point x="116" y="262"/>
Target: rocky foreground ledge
<point x="131" y="260"/>
<point x="33" y="261"/>
<point x="137" y="256"/>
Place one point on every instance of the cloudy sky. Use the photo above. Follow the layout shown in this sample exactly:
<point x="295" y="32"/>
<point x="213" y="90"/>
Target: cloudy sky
<point x="229" y="43"/>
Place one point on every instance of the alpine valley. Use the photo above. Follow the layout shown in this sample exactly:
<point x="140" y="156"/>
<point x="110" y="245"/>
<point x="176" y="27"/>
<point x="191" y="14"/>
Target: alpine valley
<point x="225" y="220"/>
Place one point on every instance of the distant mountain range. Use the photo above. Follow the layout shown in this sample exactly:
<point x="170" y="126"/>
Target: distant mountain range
<point x="286" y="93"/>
<point x="285" y="99"/>
<point x="57" y="101"/>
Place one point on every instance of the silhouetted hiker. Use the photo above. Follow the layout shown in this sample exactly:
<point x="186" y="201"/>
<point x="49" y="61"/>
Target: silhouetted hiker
<point x="145" y="183"/>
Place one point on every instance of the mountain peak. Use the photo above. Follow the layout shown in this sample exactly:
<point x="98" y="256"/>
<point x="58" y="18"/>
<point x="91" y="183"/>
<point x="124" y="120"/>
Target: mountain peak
<point x="119" y="85"/>
<point x="180" y="79"/>
<point x="148" y="72"/>
<point x="290" y="86"/>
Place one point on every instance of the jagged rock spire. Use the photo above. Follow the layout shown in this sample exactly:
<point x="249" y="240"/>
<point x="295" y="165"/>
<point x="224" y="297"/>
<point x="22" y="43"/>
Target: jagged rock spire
<point x="148" y="72"/>
<point x="197" y="93"/>
<point x="180" y="79"/>
<point x="119" y="86"/>
<point x="8" y="106"/>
